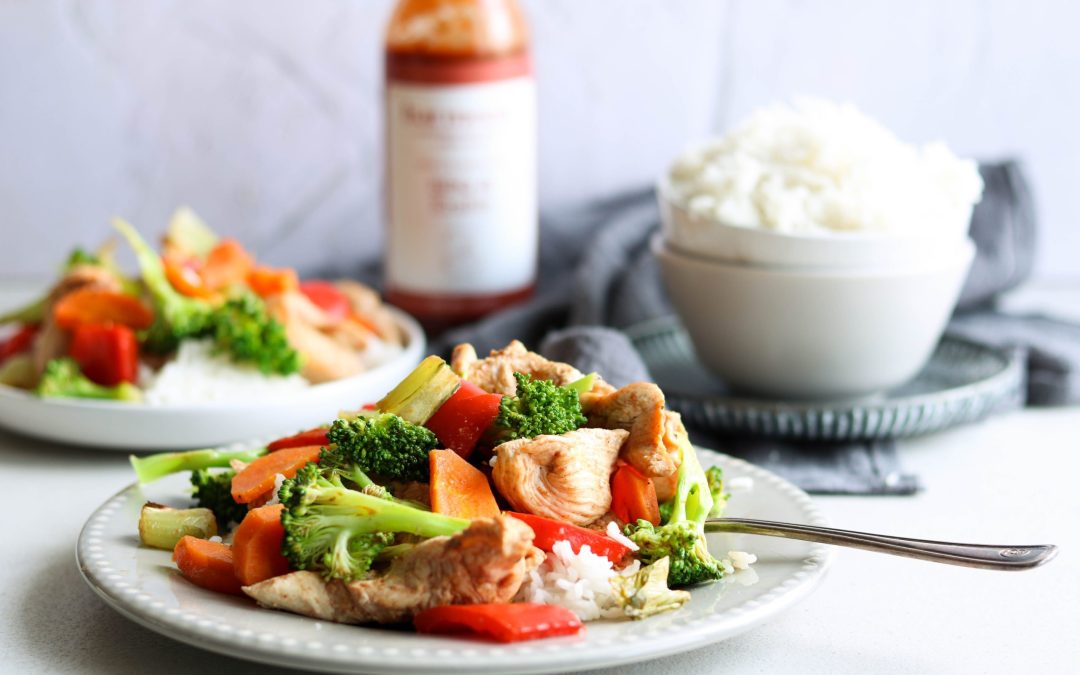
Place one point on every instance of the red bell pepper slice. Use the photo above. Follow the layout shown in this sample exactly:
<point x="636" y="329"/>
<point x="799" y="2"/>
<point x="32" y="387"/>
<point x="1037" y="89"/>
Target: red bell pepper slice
<point x="503" y="623"/>
<point x="107" y="354"/>
<point x="547" y="531"/>
<point x="327" y="297"/>
<point x="19" y="341"/>
<point x="633" y="496"/>
<point x="316" y="436"/>
<point x="464" y="417"/>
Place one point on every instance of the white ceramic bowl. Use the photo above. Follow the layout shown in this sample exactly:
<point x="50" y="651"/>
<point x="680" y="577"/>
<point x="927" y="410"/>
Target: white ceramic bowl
<point x="813" y="333"/>
<point x="704" y="237"/>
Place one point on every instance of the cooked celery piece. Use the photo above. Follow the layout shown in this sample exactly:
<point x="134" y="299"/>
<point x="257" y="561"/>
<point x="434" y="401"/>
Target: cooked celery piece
<point x="106" y="257"/>
<point x="31" y="313"/>
<point x="582" y="384"/>
<point x="412" y="382"/>
<point x="417" y="397"/>
<point x="162" y="526"/>
<point x="647" y="593"/>
<point x="188" y="232"/>
<point x="18" y="371"/>
<point x="152" y="467"/>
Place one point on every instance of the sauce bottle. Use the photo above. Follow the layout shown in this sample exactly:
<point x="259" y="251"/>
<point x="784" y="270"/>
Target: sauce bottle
<point x="461" y="159"/>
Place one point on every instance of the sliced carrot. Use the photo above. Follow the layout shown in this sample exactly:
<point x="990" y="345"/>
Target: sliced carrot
<point x="91" y="305"/>
<point x="226" y="264"/>
<point x="185" y="277"/>
<point x="272" y="280"/>
<point x="208" y="564"/>
<point x="459" y="488"/>
<point x="257" y="546"/>
<point x="633" y="496"/>
<point x="257" y="478"/>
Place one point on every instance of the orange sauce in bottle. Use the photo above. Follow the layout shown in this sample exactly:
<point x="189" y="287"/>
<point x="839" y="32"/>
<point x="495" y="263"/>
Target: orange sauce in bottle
<point x="461" y="159"/>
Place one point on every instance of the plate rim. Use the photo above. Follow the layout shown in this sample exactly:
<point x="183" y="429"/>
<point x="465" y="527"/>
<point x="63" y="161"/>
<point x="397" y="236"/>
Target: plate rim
<point x="676" y="638"/>
<point x="1005" y="384"/>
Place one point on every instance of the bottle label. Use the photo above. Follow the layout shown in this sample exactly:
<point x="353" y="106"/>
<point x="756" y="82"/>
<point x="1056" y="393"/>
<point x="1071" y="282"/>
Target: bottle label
<point x="462" y="187"/>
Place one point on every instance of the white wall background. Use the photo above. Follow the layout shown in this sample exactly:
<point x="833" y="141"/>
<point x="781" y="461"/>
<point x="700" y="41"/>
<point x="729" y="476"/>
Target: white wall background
<point x="264" y="114"/>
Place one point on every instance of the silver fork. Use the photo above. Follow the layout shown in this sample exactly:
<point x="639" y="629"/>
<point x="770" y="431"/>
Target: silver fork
<point x="967" y="555"/>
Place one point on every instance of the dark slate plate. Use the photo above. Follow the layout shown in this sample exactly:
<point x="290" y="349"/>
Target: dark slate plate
<point x="963" y="382"/>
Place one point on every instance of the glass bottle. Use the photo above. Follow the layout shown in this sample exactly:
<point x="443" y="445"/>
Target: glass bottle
<point x="461" y="159"/>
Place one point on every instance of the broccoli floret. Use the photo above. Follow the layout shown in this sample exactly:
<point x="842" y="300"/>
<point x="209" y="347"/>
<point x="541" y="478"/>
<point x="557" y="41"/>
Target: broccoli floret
<point x="176" y="316"/>
<point x="63" y="378"/>
<point x="213" y="490"/>
<point x="240" y="327"/>
<point x="715" y="476"/>
<point x="339" y="532"/>
<point x="152" y="467"/>
<point x="337" y="467"/>
<point x="243" y="329"/>
<point x="80" y="256"/>
<point x="385" y="445"/>
<point x="540" y="407"/>
<point x="691" y="562"/>
<point x="665" y="510"/>
<point x="682" y="536"/>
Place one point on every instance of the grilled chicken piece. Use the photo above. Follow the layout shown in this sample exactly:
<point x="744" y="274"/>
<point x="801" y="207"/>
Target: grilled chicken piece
<point x="675" y="438"/>
<point x="324" y="357"/>
<point x="52" y="341"/>
<point x="495" y="374"/>
<point x="366" y="302"/>
<point x="294" y="306"/>
<point x="83" y="276"/>
<point x="413" y="491"/>
<point x="352" y="334"/>
<point x="485" y="563"/>
<point x="599" y="391"/>
<point x="565" y="477"/>
<point x="601" y="523"/>
<point x="639" y="409"/>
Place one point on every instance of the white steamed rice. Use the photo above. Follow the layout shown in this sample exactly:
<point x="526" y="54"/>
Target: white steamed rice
<point x="196" y="375"/>
<point x="581" y="582"/>
<point x="279" y="478"/>
<point x="819" y="167"/>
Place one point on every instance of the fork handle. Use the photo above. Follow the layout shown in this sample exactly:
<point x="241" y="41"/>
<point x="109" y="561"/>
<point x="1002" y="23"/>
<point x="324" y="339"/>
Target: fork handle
<point x="968" y="555"/>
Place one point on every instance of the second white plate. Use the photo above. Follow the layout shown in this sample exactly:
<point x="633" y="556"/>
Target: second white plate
<point x="144" y="585"/>
<point x="125" y="427"/>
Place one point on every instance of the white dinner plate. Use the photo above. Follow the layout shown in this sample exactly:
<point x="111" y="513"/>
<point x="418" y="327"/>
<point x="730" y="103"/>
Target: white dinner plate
<point x="144" y="585"/>
<point x="113" y="425"/>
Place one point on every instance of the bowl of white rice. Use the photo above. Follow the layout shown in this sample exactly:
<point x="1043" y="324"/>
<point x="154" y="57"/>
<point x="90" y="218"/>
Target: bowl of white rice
<point x="817" y="184"/>
<point x="811" y="254"/>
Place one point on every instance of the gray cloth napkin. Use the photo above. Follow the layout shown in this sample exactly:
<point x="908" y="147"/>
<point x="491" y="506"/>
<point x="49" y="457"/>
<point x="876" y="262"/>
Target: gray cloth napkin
<point x="597" y="277"/>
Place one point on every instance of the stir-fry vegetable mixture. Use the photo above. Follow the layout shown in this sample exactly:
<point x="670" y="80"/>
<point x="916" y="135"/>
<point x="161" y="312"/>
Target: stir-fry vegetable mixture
<point x="99" y="333"/>
<point x="454" y="501"/>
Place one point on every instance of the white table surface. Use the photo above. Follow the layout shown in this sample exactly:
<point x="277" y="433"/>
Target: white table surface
<point x="1014" y="479"/>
